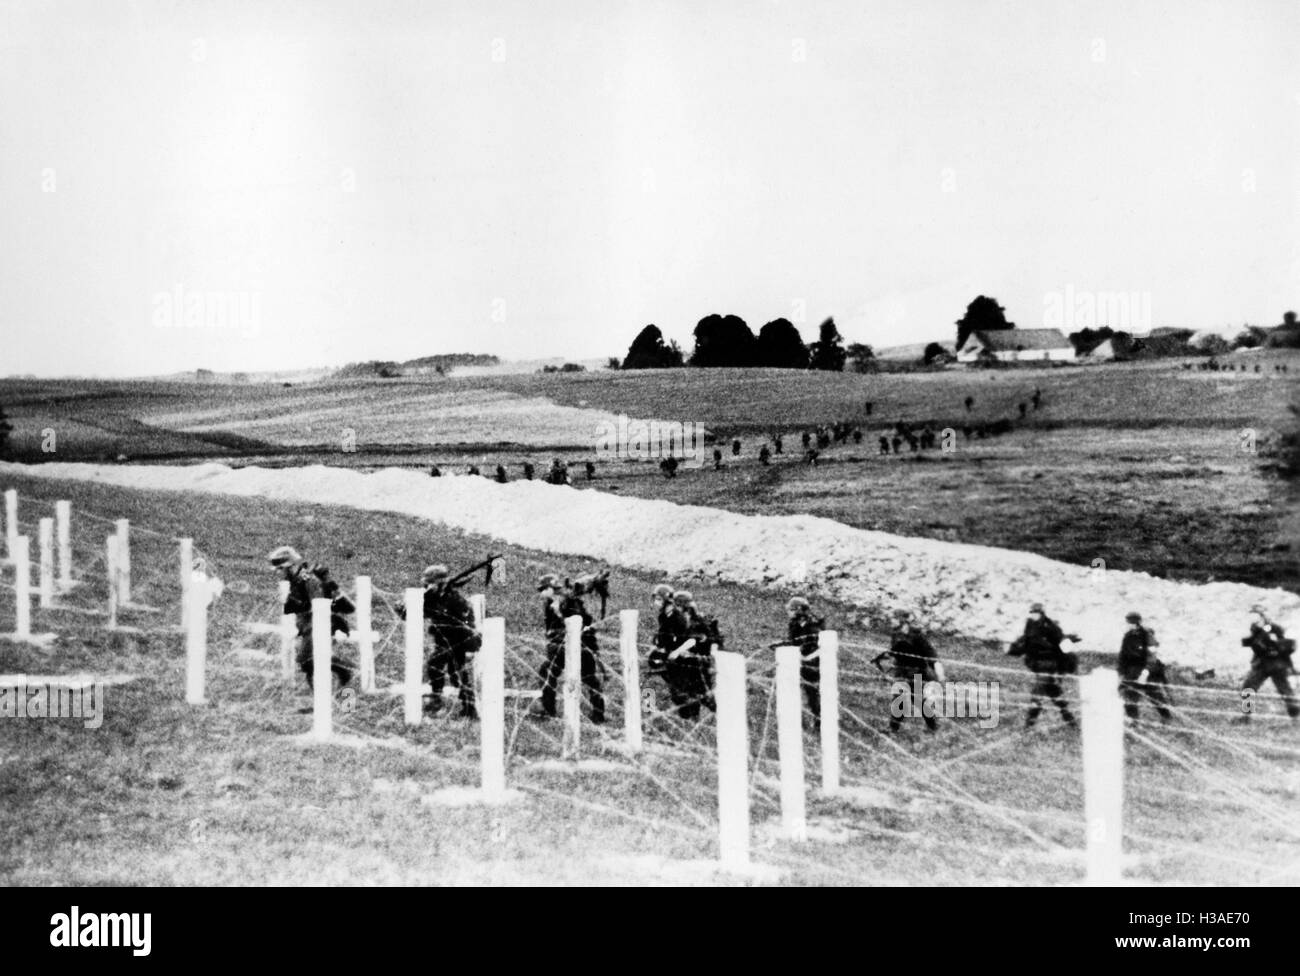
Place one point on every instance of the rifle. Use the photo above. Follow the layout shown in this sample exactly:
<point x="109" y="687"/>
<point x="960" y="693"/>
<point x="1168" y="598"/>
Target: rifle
<point x="487" y="565"/>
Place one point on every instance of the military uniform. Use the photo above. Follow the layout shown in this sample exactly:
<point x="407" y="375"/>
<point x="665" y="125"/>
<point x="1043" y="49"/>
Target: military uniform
<point x="912" y="655"/>
<point x="554" y="613"/>
<point x="1135" y="657"/>
<point x="804" y="632"/>
<point x="1040" y="645"/>
<point x="306" y="585"/>
<point x="451" y="625"/>
<point x="689" y="674"/>
<point x="1271" y="662"/>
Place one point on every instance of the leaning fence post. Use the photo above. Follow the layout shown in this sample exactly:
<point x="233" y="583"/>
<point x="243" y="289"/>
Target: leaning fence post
<point x="492" y="716"/>
<point x="124" y="560"/>
<point x="46" y="577"/>
<point x="572" y="688"/>
<point x="196" y="637"/>
<point x="63" y="532"/>
<point x="322" y="656"/>
<point x="627" y="639"/>
<point x="789" y="724"/>
<point x="1103" y="774"/>
<point x="828" y="660"/>
<point x="365" y="636"/>
<point x="733" y="760"/>
<point x="414" y="654"/>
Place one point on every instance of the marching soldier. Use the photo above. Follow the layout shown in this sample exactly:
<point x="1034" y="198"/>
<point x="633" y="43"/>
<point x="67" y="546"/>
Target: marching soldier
<point x="501" y="474"/>
<point x="717" y="459"/>
<point x="591" y="471"/>
<point x="528" y="470"/>
<point x="689" y="656"/>
<point x="1140" y="671"/>
<point x="1040" y="646"/>
<point x="309" y="582"/>
<point x="912" y="654"/>
<point x="778" y="444"/>
<point x="661" y="599"/>
<point x="557" y="606"/>
<point x="735" y="448"/>
<point x="455" y="638"/>
<point x="805" y="633"/>
<point x="1271" y="661"/>
<point x="764" y="455"/>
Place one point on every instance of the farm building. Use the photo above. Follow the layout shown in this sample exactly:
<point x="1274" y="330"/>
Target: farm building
<point x="1017" y="346"/>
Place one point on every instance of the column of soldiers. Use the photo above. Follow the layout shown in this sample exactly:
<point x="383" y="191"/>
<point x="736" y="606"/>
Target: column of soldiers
<point x="686" y="637"/>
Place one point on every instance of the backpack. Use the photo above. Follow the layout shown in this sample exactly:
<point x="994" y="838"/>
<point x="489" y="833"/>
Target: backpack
<point x="340" y="605"/>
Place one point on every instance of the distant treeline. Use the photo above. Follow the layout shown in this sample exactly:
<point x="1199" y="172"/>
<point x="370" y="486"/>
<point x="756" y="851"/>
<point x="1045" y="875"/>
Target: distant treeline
<point x="727" y="340"/>
<point x="388" y="369"/>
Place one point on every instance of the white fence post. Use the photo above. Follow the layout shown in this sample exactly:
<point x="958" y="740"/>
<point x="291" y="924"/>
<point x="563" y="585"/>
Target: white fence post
<point x="478" y="603"/>
<point x="733" y="760"/>
<point x="322" y="655"/>
<point x="288" y="633"/>
<point x="365" y="636"/>
<point x="187" y="570"/>
<point x="1103" y="775"/>
<point x="414" y="654"/>
<point x="19" y="551"/>
<point x="492" y="713"/>
<point x="110" y="560"/>
<point x="828" y="658"/>
<point x="789" y="727"/>
<point x="627" y="639"/>
<point x="196" y="637"/>
<point x="63" y="533"/>
<point x="124" y="560"/>
<point x="572" y="688"/>
<point x="46" y="577"/>
<point x="11" y="523"/>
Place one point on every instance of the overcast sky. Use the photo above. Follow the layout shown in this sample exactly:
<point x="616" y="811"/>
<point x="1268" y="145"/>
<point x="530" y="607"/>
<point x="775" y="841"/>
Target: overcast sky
<point x="321" y="182"/>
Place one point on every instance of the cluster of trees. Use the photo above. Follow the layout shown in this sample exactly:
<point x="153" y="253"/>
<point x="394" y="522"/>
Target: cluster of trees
<point x="984" y="314"/>
<point x="726" y="340"/>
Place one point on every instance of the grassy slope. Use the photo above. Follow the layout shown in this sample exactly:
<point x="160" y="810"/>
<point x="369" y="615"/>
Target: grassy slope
<point x="164" y="793"/>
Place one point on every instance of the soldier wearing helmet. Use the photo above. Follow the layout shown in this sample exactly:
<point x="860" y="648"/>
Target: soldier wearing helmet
<point x="1040" y="645"/>
<point x="455" y="638"/>
<point x="1272" y="651"/>
<point x="559" y="602"/>
<point x="913" y="657"/>
<point x="308" y="582"/>
<point x="1141" y="672"/>
<point x="661" y="599"/>
<point x="804" y="632"/>
<point x="690" y="638"/>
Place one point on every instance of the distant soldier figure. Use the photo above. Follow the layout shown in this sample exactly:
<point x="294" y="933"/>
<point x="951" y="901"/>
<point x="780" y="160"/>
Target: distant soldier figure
<point x="777" y="445"/>
<point x="764" y="456"/>
<point x="308" y="582"/>
<point x="557" y="607"/>
<point x="884" y="444"/>
<point x="1040" y="646"/>
<point x="559" y="474"/>
<point x="810" y="458"/>
<point x="823" y="439"/>
<point x="857" y="435"/>
<point x="591" y="471"/>
<point x="501" y="474"/>
<point x="1271" y="661"/>
<point x="928" y="438"/>
<point x="805" y="438"/>
<point x="867" y="407"/>
<point x="912" y="655"/>
<point x="717" y="459"/>
<point x="473" y="469"/>
<point x="435" y="472"/>
<point x="804" y="632"/>
<point x="529" y="470"/>
<point x="669" y="467"/>
<point x="735" y="448"/>
<point x="1037" y="398"/>
<point x="913" y="441"/>
<point x="455" y="640"/>
<point x="1140" y="671"/>
<point x="970" y="403"/>
<point x="1024" y="409"/>
<point x="897" y="442"/>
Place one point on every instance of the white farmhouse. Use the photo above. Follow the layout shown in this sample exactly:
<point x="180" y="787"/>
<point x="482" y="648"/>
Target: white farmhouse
<point x="1017" y="346"/>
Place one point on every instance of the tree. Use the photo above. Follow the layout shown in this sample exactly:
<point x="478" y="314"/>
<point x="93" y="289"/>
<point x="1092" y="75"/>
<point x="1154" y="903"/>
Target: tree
<point x="724" y="340"/>
<point x="862" y="357"/>
<point x="982" y="315"/>
<point x="935" y="352"/>
<point x="828" y="351"/>
<point x="649" y="352"/>
<point x="780" y="345"/>
<point x="612" y="362"/>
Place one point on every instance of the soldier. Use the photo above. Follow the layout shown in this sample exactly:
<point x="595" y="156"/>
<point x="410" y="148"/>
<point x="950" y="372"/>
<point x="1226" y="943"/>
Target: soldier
<point x="501" y="474"/>
<point x="558" y="605"/>
<point x="1271" y="661"/>
<point x="884" y="444"/>
<point x="309" y="582"/>
<point x="1040" y="645"/>
<point x="473" y="469"/>
<point x="661" y="599"/>
<point x="1140" y="671"/>
<point x="764" y="456"/>
<point x="868" y="407"/>
<point x="805" y="438"/>
<point x="970" y="403"/>
<point x="1024" y="408"/>
<point x="455" y="638"/>
<point x="1037" y="398"/>
<point x="559" y="474"/>
<point x="529" y="470"/>
<point x="688" y="661"/>
<point x="591" y="471"/>
<point x="435" y="472"/>
<point x="777" y="444"/>
<point x="805" y="633"/>
<point x="810" y="458"/>
<point x="669" y="467"/>
<point x="735" y="448"/>
<point x="912" y="655"/>
<point x="897" y="442"/>
<point x="717" y="459"/>
<point x="857" y="435"/>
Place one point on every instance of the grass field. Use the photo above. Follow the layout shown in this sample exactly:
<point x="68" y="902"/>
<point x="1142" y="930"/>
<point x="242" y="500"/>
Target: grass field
<point x="226" y="794"/>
